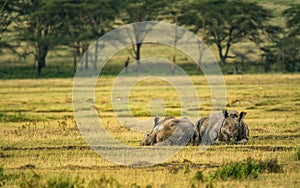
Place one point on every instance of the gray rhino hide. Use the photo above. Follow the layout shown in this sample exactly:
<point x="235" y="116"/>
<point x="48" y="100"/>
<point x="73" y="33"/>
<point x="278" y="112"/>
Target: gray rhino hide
<point x="209" y="128"/>
<point x="182" y="135"/>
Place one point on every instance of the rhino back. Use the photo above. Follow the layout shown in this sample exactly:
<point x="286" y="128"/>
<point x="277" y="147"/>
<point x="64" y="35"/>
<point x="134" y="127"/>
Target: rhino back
<point x="210" y="128"/>
<point x="182" y="134"/>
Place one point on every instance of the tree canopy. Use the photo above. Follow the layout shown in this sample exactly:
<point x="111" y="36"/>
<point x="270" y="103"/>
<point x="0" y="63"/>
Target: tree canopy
<point x="43" y="25"/>
<point x="224" y="23"/>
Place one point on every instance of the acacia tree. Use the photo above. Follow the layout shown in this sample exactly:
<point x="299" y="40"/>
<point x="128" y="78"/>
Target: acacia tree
<point x="285" y="50"/>
<point x="139" y="11"/>
<point x="292" y="14"/>
<point x="50" y="23"/>
<point x="9" y="12"/>
<point x="225" y="23"/>
<point x="293" y="19"/>
<point x="41" y="27"/>
<point x="87" y="21"/>
<point x="193" y="16"/>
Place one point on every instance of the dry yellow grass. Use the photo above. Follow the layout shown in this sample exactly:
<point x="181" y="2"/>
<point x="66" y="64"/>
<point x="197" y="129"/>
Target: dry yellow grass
<point x="39" y="135"/>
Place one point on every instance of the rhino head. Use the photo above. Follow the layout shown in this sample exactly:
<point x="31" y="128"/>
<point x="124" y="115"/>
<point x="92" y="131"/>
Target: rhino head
<point x="233" y="130"/>
<point x="155" y="134"/>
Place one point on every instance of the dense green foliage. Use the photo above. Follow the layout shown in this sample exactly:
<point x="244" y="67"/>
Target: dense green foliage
<point x="224" y="23"/>
<point x="32" y="29"/>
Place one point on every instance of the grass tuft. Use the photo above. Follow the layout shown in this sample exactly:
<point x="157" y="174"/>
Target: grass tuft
<point x="104" y="181"/>
<point x="199" y="176"/>
<point x="59" y="182"/>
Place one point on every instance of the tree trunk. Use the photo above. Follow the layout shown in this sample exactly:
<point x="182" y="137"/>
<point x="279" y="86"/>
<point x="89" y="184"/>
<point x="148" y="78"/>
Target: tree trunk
<point x="41" y="58"/>
<point x="86" y="59"/>
<point x="96" y="59"/>
<point x="235" y="68"/>
<point x="223" y="60"/>
<point x="75" y="61"/>
<point x="201" y="51"/>
<point x="220" y="51"/>
<point x="41" y="63"/>
<point x="138" y="54"/>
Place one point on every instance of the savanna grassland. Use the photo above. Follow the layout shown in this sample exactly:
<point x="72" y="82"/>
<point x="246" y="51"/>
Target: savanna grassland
<point x="41" y="145"/>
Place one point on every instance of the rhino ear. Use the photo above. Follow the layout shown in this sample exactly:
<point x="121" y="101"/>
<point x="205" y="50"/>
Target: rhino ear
<point x="242" y="115"/>
<point x="225" y="113"/>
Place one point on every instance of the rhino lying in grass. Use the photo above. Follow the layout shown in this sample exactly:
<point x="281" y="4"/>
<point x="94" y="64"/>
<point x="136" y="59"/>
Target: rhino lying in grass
<point x="218" y="128"/>
<point x="229" y="128"/>
<point x="172" y="131"/>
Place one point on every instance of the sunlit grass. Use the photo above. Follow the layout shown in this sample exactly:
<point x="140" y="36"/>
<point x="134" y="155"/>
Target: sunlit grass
<point x="38" y="131"/>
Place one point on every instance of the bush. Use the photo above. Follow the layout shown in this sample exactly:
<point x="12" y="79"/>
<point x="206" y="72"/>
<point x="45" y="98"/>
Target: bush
<point x="270" y="166"/>
<point x="58" y="182"/>
<point x="199" y="180"/>
<point x="104" y="182"/>
<point x="35" y="180"/>
<point x="246" y="169"/>
<point x="199" y="176"/>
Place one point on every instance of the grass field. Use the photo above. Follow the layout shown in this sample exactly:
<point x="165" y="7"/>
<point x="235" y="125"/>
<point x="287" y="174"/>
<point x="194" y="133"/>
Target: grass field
<point x="42" y="147"/>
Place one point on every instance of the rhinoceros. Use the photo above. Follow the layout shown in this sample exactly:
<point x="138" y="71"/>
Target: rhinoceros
<point x="172" y="131"/>
<point x="234" y="129"/>
<point x="223" y="127"/>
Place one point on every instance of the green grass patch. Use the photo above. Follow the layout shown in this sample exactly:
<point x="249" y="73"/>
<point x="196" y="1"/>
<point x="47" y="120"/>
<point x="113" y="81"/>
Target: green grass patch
<point x="17" y="117"/>
<point x="267" y="103"/>
<point x="282" y="109"/>
<point x="246" y="169"/>
<point x="104" y="181"/>
<point x="36" y="180"/>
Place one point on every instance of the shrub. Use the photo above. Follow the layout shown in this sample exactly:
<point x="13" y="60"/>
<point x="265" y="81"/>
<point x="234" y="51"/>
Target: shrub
<point x="199" y="176"/>
<point x="58" y="182"/>
<point x="104" y="181"/>
<point x="246" y="169"/>
<point x="33" y="180"/>
<point x="270" y="166"/>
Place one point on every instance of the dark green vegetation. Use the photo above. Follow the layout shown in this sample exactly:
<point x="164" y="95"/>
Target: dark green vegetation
<point x="52" y="35"/>
<point x="40" y="144"/>
<point x="246" y="169"/>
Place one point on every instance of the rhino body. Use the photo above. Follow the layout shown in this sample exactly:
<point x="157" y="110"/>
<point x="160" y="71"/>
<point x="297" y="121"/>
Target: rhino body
<point x="209" y="128"/>
<point x="228" y="128"/>
<point x="234" y="130"/>
<point x="172" y="131"/>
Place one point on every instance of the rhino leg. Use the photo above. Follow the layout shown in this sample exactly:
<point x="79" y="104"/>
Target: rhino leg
<point x="217" y="142"/>
<point x="243" y="141"/>
<point x="213" y="136"/>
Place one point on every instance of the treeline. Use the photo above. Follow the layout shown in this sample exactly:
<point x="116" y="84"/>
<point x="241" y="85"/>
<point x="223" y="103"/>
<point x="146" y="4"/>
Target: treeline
<point x="43" y="25"/>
